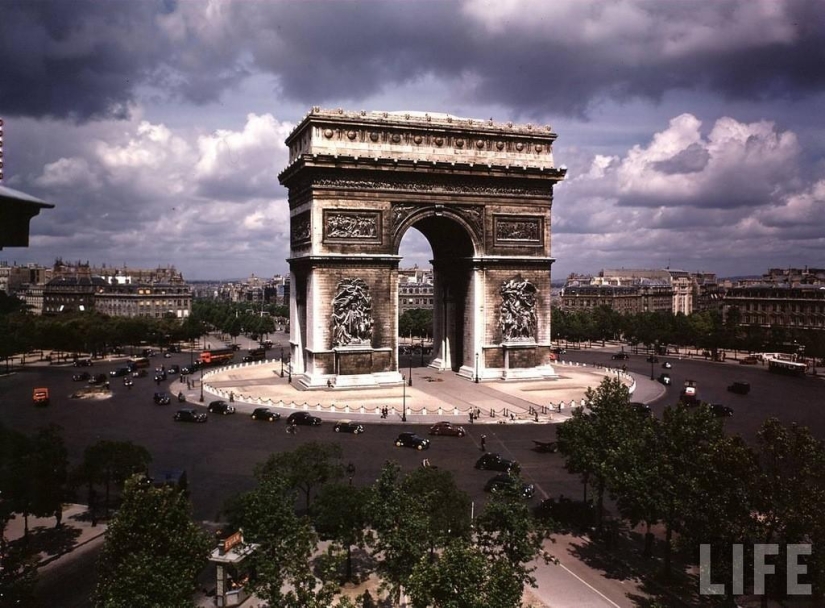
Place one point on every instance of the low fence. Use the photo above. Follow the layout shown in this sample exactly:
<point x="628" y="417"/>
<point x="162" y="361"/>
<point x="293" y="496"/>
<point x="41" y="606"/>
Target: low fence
<point x="502" y="414"/>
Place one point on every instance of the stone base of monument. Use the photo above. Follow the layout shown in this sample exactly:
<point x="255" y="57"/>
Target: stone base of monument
<point x="344" y="382"/>
<point x="543" y="372"/>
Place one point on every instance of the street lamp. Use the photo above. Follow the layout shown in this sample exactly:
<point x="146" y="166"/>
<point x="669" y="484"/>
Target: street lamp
<point x="652" y="359"/>
<point x="404" y="402"/>
<point x="409" y="380"/>
<point x="201" y="384"/>
<point x="476" y="368"/>
<point x="289" y="369"/>
<point x="350" y="472"/>
<point x="282" y="362"/>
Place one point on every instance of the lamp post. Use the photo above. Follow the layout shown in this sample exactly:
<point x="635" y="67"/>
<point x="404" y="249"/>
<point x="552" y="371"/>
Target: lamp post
<point x="201" y="384"/>
<point x="409" y="380"/>
<point x="350" y="472"/>
<point x="476" y="374"/>
<point x="404" y="401"/>
<point x="652" y="359"/>
<point x="289" y="369"/>
<point x="282" y="362"/>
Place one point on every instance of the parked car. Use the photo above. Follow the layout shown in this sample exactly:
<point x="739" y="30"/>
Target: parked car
<point x="264" y="413"/>
<point x="509" y="484"/>
<point x="304" y="418"/>
<point x="749" y="360"/>
<point x="719" y="410"/>
<point x="667" y="365"/>
<point x="411" y="440"/>
<point x="119" y="372"/>
<point x="740" y="388"/>
<point x="221" y="407"/>
<point x="348" y="426"/>
<point x="495" y="462"/>
<point x="621" y="355"/>
<point x="162" y="398"/>
<point x="82" y="377"/>
<point x="447" y="428"/>
<point x="190" y="414"/>
<point x="664" y="378"/>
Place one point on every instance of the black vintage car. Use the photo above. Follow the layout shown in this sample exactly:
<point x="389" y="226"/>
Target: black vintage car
<point x="190" y="415"/>
<point x="264" y="413"/>
<point x="303" y="418"/>
<point x="161" y="398"/>
<point x="495" y="462"/>
<point x="411" y="440"/>
<point x="348" y="426"/>
<point x="82" y="377"/>
<point x="221" y="407"/>
<point x="504" y="483"/>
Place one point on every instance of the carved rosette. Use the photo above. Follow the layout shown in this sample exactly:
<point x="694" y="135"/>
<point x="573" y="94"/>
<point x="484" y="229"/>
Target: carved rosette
<point x="518" y="319"/>
<point x="351" y="319"/>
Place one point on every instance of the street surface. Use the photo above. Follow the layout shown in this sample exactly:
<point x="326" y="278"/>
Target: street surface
<point x="219" y="456"/>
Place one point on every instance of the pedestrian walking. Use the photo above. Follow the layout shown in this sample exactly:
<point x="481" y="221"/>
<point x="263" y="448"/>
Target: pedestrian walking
<point x="484" y="443"/>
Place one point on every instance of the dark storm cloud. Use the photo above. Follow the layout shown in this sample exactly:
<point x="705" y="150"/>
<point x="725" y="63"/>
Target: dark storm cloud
<point x="84" y="58"/>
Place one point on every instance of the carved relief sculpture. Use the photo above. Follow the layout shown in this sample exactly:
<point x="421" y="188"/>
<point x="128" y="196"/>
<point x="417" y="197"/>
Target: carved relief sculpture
<point x="518" y="311"/>
<point x="351" y="225"/>
<point x="301" y="226"/>
<point x="352" y="314"/>
<point x="518" y="230"/>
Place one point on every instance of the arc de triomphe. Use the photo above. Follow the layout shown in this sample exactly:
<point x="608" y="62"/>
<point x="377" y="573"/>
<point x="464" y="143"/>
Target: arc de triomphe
<point x="481" y="194"/>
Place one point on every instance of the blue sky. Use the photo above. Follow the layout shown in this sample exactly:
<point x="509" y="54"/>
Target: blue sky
<point x="693" y="131"/>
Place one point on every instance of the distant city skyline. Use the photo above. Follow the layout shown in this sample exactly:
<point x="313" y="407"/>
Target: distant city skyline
<point x="692" y="131"/>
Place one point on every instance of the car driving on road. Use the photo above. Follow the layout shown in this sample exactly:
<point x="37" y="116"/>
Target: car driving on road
<point x="447" y="428"/>
<point x="411" y="440"/>
<point x="221" y="407"/>
<point x="303" y="418"/>
<point x="161" y="398"/>
<point x="190" y="415"/>
<point x="264" y="413"/>
<point x="504" y="483"/>
<point x="495" y="462"/>
<point x="348" y="426"/>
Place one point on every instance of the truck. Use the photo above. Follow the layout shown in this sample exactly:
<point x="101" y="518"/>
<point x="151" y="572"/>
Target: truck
<point x="40" y="396"/>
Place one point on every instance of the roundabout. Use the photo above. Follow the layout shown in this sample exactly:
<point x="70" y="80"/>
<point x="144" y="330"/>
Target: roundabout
<point x="431" y="394"/>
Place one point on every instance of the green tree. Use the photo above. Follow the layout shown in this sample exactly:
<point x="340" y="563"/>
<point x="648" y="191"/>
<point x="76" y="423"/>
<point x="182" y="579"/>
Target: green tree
<point x="153" y="551"/>
<point x="50" y="466"/>
<point x="591" y="440"/>
<point x="307" y="467"/>
<point x="282" y="563"/>
<point x="340" y="513"/>
<point x="110" y="464"/>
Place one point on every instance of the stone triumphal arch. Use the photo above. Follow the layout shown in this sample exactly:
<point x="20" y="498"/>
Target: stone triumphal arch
<point x="479" y="191"/>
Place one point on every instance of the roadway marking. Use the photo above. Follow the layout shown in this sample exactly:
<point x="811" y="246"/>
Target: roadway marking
<point x="586" y="584"/>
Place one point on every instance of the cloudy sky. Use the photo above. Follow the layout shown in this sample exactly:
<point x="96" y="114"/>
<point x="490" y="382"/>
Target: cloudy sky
<point x="693" y="131"/>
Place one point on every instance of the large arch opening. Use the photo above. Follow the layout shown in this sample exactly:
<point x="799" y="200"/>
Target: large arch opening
<point x="453" y="250"/>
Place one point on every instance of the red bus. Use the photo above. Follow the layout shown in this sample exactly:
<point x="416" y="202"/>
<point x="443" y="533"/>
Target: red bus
<point x="216" y="356"/>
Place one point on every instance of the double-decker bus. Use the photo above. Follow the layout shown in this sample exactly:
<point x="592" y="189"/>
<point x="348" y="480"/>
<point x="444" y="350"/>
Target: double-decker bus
<point x="216" y="356"/>
<point x="786" y="366"/>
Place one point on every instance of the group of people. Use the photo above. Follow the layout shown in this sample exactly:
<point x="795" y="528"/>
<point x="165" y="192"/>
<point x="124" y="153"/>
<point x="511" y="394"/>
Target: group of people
<point x="385" y="411"/>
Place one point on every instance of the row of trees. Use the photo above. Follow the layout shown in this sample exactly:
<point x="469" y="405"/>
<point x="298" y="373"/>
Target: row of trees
<point x="684" y="472"/>
<point x="416" y="527"/>
<point x="708" y="330"/>
<point x="36" y="479"/>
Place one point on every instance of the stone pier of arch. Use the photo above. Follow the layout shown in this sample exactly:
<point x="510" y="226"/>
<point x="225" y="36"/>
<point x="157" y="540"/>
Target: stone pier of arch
<point x="433" y="395"/>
